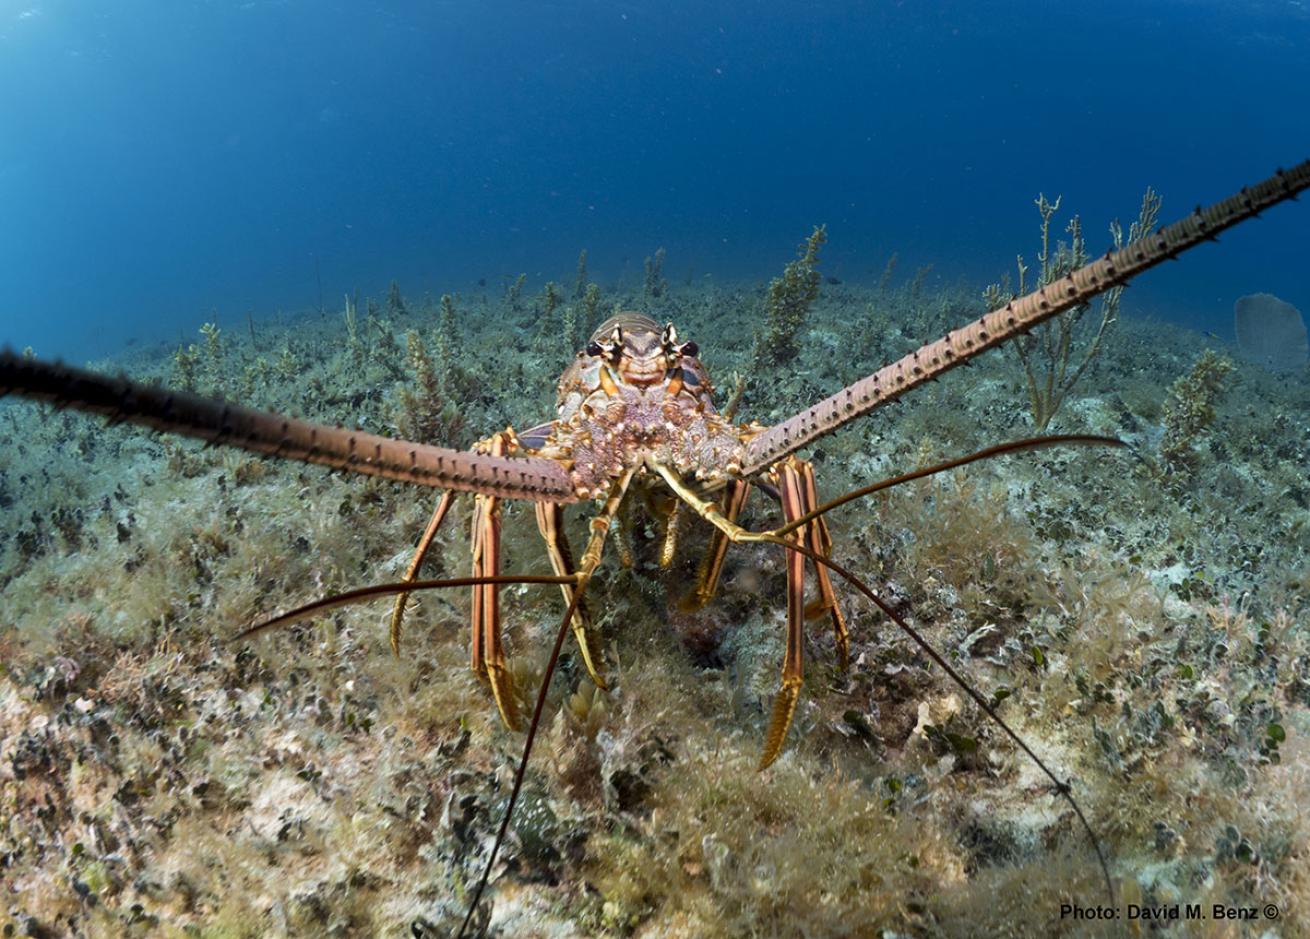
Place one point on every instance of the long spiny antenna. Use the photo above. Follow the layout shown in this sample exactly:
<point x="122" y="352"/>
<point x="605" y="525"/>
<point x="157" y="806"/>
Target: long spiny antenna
<point x="118" y="399"/>
<point x="959" y="346"/>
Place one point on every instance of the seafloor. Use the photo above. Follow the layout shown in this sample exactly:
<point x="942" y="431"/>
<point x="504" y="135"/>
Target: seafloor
<point x="1139" y="616"/>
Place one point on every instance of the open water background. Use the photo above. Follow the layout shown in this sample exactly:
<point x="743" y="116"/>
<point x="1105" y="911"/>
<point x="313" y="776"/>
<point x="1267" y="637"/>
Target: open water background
<point x="167" y="163"/>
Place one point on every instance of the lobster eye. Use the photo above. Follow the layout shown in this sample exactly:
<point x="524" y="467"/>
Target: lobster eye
<point x="689" y="348"/>
<point x="593" y="348"/>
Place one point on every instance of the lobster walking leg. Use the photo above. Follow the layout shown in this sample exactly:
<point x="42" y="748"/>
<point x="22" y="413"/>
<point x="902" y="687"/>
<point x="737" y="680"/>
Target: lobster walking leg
<point x="672" y="531"/>
<point x="791" y="487"/>
<point x="600" y="526"/>
<point x="550" y="521"/>
<point x="707" y="580"/>
<point x="794" y="479"/>
<point x="820" y="542"/>
<point x="488" y="655"/>
<point x="398" y="611"/>
<point x="623" y="536"/>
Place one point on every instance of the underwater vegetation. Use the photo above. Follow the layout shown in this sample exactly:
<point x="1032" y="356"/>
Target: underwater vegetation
<point x="1052" y="361"/>
<point x="1149" y="640"/>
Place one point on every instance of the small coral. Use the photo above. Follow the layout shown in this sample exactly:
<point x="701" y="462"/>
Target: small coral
<point x="1053" y="361"/>
<point x="888" y="271"/>
<point x="287" y="367"/>
<point x="917" y="282"/>
<point x="186" y="361"/>
<point x="590" y="310"/>
<point x="213" y="361"/>
<point x="354" y="339"/>
<point x="447" y="336"/>
<point x="549" y="326"/>
<point x="514" y="293"/>
<point x="571" y="327"/>
<point x="1271" y="332"/>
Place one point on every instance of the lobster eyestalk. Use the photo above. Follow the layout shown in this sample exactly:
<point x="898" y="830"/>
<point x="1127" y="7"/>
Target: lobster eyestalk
<point x="1018" y="316"/>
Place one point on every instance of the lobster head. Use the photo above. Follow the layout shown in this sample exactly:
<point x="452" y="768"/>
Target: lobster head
<point x="634" y="349"/>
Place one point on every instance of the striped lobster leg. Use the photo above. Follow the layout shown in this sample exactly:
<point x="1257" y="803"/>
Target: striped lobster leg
<point x="421" y="552"/>
<point x="488" y="656"/>
<point x="550" y="521"/>
<point x="707" y="580"/>
<point x="820" y="542"/>
<point x="795" y="479"/>
<point x="791" y="489"/>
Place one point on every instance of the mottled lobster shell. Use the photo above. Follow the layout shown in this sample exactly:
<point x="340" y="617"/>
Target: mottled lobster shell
<point x="605" y="427"/>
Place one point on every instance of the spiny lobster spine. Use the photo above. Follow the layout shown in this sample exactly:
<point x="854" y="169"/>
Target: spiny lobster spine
<point x="1017" y="316"/>
<point x="118" y="399"/>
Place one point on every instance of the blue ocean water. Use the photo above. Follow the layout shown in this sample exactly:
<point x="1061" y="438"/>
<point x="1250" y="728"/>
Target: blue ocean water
<point x="166" y="163"/>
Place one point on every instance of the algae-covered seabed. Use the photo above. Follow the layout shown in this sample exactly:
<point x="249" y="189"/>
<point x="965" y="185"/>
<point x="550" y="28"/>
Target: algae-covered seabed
<point x="1151" y="633"/>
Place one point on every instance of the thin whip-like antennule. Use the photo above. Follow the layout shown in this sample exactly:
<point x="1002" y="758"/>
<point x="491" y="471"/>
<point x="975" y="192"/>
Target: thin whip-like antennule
<point x="119" y="400"/>
<point x="1014" y="446"/>
<point x="1061" y="786"/>
<point x="600" y="525"/>
<point x="522" y="769"/>
<point x="361" y="594"/>
<point x="1020" y="315"/>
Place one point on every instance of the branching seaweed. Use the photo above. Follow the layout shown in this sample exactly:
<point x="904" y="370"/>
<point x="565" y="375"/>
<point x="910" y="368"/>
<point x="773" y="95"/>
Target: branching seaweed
<point x="787" y="304"/>
<point x="656" y="285"/>
<point x="1053" y="358"/>
<point x="425" y="414"/>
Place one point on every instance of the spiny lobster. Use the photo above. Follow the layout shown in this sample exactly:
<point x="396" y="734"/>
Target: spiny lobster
<point x="635" y="411"/>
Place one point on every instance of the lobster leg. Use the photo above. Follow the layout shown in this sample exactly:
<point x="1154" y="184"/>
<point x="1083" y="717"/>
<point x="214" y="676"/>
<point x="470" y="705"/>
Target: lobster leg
<point x="791" y="486"/>
<point x="488" y="656"/>
<point x="674" y="514"/>
<point x="623" y="536"/>
<point x="488" y="650"/>
<point x="600" y="526"/>
<point x="398" y="611"/>
<point x="550" y="521"/>
<point x="672" y="531"/>
<point x="712" y="567"/>
<point x="820" y="542"/>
